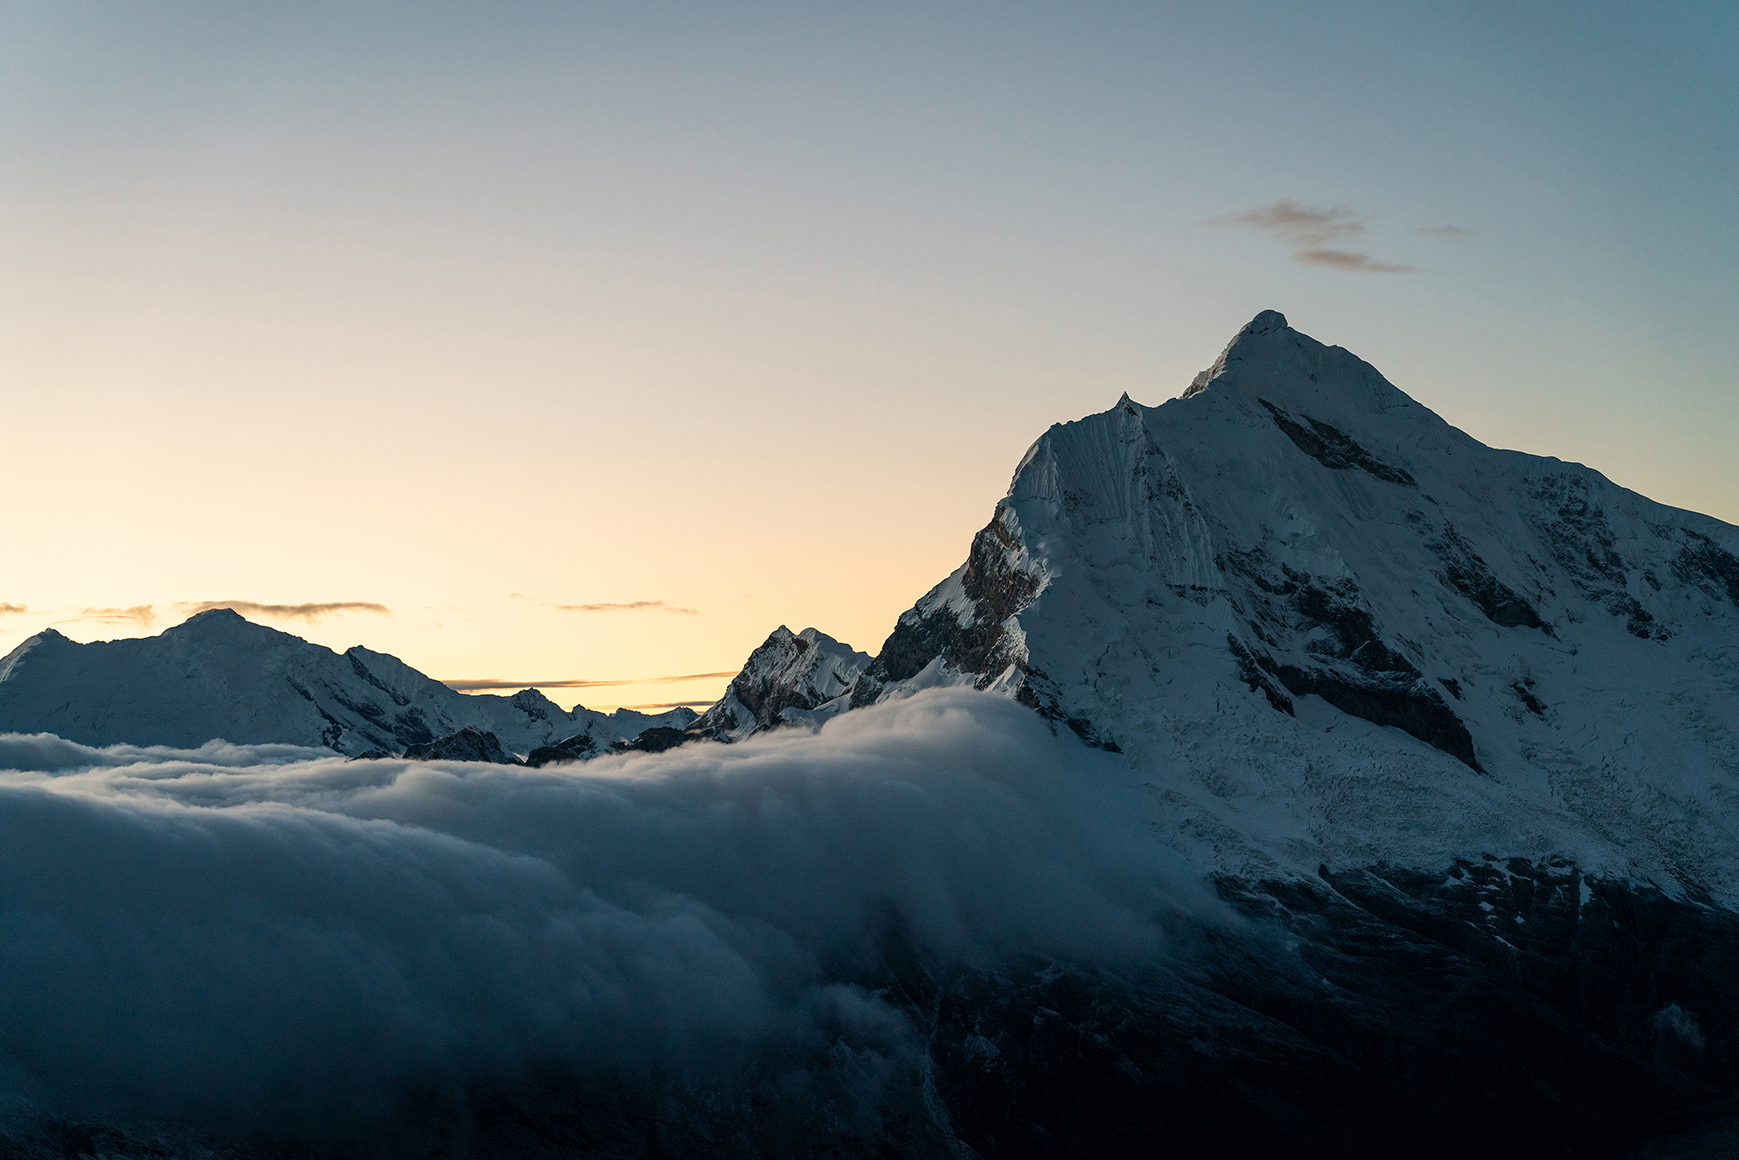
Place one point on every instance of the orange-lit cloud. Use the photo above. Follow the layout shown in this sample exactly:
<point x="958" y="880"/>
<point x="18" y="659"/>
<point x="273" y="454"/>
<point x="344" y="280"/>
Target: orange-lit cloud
<point x="630" y="606"/>
<point x="667" y="705"/>
<point x="311" y="611"/>
<point x="472" y="685"/>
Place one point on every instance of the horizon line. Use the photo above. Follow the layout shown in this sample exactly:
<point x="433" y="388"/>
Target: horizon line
<point x="482" y="684"/>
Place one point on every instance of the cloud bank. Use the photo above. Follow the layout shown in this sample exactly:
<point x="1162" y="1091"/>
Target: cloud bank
<point x="265" y="934"/>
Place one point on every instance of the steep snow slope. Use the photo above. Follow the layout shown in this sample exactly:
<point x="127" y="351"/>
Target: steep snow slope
<point x="219" y="675"/>
<point x="1328" y="627"/>
<point x="792" y="677"/>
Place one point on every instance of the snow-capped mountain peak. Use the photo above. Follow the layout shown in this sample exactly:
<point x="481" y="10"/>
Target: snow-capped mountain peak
<point x="1480" y="644"/>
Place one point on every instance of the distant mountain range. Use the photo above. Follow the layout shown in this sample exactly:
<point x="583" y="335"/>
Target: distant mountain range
<point x="1453" y="730"/>
<point x="1329" y="625"/>
<point x="219" y="675"/>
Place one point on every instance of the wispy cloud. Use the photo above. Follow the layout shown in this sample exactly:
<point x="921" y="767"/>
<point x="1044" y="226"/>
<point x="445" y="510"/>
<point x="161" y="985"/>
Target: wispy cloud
<point x="9" y="609"/>
<point x="1298" y="224"/>
<point x="138" y="614"/>
<point x="1444" y="232"/>
<point x="1315" y="231"/>
<point x="472" y="685"/>
<point x="311" y="611"/>
<point x="630" y="606"/>
<point x="1348" y="260"/>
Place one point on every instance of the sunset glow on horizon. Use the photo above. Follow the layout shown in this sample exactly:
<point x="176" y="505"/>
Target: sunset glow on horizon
<point x="590" y="343"/>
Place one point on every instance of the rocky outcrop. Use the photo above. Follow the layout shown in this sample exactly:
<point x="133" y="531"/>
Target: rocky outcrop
<point x="788" y="679"/>
<point x="655" y="740"/>
<point x="963" y="622"/>
<point x="468" y="744"/>
<point x="575" y="748"/>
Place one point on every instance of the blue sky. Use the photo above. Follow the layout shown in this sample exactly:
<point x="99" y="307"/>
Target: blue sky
<point x="752" y="308"/>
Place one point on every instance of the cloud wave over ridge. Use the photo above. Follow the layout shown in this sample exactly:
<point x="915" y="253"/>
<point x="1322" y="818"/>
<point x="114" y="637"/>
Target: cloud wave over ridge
<point x="268" y="934"/>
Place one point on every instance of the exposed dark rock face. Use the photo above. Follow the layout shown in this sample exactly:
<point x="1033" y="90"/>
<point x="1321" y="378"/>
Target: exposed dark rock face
<point x="1407" y="703"/>
<point x="468" y="744"/>
<point x="1584" y="543"/>
<point x="1251" y="670"/>
<point x="576" y="748"/>
<point x="1524" y="691"/>
<point x="998" y="588"/>
<point x="789" y="675"/>
<point x="1350" y="665"/>
<point x="1705" y="563"/>
<point x="656" y="740"/>
<point x="1466" y="573"/>
<point x="1333" y="448"/>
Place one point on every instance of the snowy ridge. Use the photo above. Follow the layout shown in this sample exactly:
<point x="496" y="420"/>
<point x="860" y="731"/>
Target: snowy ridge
<point x="791" y="678"/>
<point x="1327" y="627"/>
<point x="220" y="676"/>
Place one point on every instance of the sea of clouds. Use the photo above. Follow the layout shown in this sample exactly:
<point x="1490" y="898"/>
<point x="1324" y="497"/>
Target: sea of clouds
<point x="270" y="933"/>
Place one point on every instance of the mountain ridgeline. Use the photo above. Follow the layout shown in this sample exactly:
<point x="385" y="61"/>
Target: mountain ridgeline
<point x="220" y="676"/>
<point x="1450" y="732"/>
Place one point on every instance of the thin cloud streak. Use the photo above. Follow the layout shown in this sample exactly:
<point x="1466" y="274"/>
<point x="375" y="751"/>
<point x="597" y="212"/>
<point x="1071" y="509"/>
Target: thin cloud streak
<point x="1347" y="260"/>
<point x="1300" y="225"/>
<point x="471" y="685"/>
<point x="667" y="705"/>
<point x="10" y="609"/>
<point x="1444" y="232"/>
<point x="630" y="606"/>
<point x="137" y="614"/>
<point x="313" y="610"/>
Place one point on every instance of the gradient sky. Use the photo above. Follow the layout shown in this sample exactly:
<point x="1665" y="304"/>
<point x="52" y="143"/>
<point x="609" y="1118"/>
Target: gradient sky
<point x="592" y="342"/>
